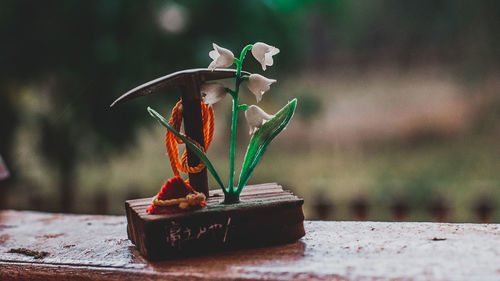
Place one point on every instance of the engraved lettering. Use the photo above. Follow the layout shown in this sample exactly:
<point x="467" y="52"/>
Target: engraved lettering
<point x="177" y="234"/>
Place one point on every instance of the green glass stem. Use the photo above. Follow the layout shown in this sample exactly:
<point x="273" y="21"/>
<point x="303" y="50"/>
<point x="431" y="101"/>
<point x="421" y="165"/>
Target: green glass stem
<point x="232" y="152"/>
<point x="234" y="122"/>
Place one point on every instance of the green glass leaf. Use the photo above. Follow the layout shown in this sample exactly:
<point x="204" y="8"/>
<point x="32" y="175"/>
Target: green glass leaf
<point x="198" y="152"/>
<point x="261" y="139"/>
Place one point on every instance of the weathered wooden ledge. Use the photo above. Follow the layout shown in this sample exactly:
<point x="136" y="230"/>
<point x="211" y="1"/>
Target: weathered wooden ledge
<point x="82" y="247"/>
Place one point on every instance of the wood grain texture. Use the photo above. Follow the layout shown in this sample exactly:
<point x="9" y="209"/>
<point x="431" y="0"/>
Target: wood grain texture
<point x="267" y="215"/>
<point x="86" y="247"/>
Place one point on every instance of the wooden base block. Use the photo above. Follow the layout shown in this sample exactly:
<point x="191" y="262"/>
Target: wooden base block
<point x="267" y="215"/>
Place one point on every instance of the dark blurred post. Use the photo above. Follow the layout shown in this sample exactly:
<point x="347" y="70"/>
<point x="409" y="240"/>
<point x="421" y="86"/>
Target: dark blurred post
<point x="400" y="208"/>
<point x="483" y="208"/>
<point x="439" y="208"/>
<point x="322" y="206"/>
<point x="4" y="175"/>
<point x="360" y="207"/>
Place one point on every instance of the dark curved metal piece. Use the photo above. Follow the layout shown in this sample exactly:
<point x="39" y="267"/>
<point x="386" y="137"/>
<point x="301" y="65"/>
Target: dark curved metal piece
<point x="177" y="79"/>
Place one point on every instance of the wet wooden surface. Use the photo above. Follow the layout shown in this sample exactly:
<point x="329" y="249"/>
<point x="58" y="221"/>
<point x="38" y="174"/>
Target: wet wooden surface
<point x="81" y="247"/>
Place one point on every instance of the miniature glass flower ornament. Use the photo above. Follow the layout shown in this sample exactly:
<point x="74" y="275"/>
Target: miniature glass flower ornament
<point x="263" y="127"/>
<point x="264" y="53"/>
<point x="221" y="57"/>
<point x="256" y="117"/>
<point x="258" y="85"/>
<point x="214" y="92"/>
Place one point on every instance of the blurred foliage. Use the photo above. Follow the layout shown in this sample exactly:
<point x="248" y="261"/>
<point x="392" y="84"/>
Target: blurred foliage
<point x="76" y="57"/>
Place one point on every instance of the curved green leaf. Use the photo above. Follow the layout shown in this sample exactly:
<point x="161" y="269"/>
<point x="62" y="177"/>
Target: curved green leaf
<point x="261" y="139"/>
<point x="198" y="152"/>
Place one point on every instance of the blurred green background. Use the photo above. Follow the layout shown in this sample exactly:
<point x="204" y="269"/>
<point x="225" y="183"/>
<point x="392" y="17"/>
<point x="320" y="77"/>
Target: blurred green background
<point x="398" y="115"/>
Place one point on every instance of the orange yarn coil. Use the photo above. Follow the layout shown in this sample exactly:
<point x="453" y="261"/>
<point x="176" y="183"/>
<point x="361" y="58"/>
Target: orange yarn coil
<point x="171" y="141"/>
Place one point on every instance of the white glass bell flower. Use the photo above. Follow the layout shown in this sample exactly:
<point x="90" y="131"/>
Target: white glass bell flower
<point x="264" y="53"/>
<point x="214" y="92"/>
<point x="256" y="117"/>
<point x="258" y="85"/>
<point x="221" y="57"/>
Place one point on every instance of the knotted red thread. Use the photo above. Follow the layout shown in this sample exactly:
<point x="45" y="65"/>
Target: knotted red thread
<point x="171" y="141"/>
